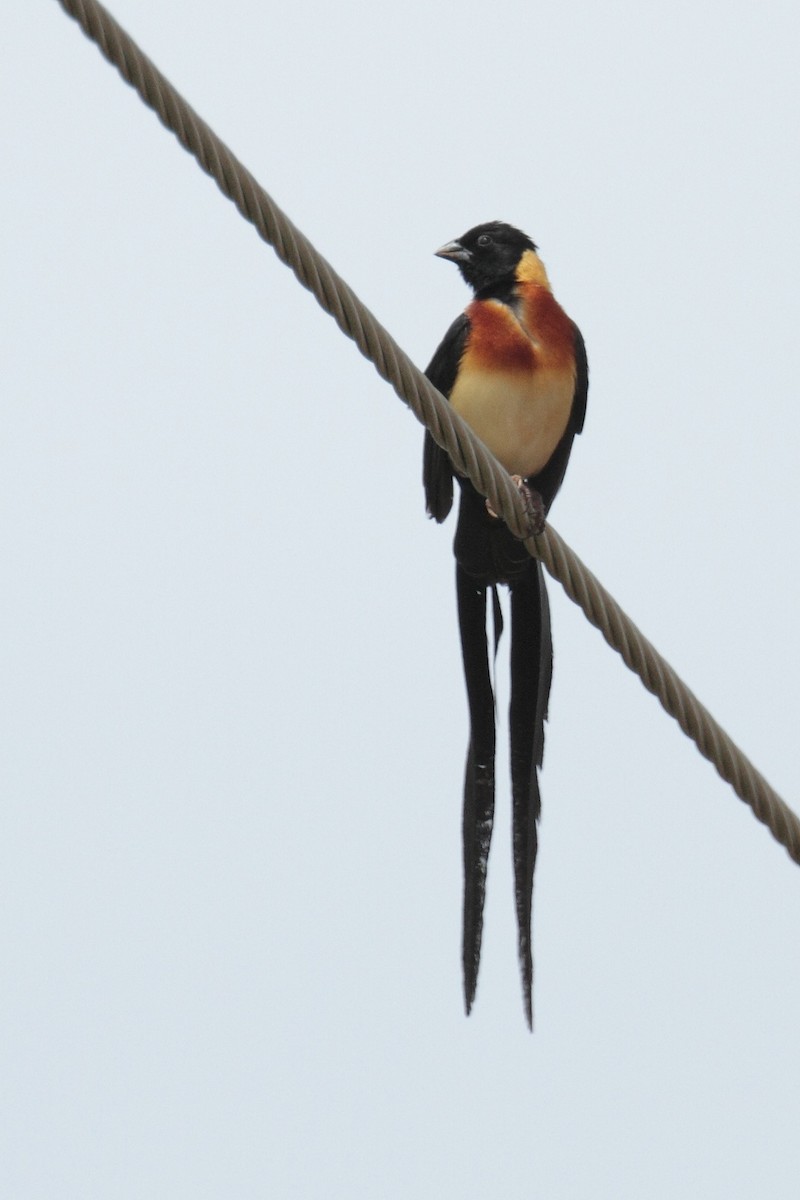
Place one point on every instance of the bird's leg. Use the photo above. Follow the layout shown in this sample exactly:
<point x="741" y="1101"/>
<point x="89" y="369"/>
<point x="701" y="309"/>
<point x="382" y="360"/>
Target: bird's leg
<point x="532" y="501"/>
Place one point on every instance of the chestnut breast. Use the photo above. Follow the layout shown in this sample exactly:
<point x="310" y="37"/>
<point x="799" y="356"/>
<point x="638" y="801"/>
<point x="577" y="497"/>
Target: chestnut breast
<point x="516" y="379"/>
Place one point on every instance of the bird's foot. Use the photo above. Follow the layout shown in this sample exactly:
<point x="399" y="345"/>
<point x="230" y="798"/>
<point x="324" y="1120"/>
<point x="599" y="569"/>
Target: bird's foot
<point x="534" y="505"/>
<point x="532" y="501"/>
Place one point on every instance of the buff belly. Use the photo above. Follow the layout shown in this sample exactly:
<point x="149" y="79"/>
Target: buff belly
<point x="520" y="416"/>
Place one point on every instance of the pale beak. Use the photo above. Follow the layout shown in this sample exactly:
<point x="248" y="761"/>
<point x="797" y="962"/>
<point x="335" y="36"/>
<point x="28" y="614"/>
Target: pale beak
<point x="455" y="252"/>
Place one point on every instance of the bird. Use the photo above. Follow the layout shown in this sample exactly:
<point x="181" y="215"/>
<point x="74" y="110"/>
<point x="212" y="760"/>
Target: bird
<point x="514" y="366"/>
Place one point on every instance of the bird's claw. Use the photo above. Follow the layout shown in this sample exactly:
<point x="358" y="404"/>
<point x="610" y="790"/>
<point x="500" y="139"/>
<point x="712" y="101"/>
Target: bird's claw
<point x="532" y="502"/>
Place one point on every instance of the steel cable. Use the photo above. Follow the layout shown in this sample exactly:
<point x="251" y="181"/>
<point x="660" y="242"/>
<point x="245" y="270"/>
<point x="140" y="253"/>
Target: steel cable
<point x="468" y="454"/>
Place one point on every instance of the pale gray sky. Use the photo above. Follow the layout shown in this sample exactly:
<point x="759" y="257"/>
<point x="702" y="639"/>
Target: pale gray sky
<point x="233" y="714"/>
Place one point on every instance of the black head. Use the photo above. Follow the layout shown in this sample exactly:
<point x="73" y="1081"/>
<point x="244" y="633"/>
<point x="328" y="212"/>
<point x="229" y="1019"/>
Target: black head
<point x="488" y="254"/>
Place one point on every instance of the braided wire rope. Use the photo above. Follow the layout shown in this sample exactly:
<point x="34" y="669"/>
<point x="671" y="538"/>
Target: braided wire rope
<point x="469" y="456"/>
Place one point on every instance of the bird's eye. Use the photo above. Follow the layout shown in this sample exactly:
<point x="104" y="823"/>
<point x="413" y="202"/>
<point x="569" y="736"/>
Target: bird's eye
<point x="484" y="240"/>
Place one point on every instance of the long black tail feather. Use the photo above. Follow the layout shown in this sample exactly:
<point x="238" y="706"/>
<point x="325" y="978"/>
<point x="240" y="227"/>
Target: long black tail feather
<point x="479" y="775"/>
<point x="486" y="554"/>
<point x="477" y="835"/>
<point x="531" y="673"/>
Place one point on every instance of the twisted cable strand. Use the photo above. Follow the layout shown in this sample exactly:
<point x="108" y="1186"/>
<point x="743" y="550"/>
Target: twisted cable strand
<point x="469" y="456"/>
<point x="676" y="698"/>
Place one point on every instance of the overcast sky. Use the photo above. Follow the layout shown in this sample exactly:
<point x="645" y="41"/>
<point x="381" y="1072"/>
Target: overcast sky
<point x="233" y="716"/>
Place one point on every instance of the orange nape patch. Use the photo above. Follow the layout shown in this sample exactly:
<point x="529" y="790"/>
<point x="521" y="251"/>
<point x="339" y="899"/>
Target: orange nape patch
<point x="496" y="339"/>
<point x="531" y="269"/>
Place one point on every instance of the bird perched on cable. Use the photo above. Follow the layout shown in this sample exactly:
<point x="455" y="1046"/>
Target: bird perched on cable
<point x="513" y="365"/>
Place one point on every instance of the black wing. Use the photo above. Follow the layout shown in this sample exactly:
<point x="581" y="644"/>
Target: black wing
<point x="437" y="472"/>
<point x="581" y="383"/>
